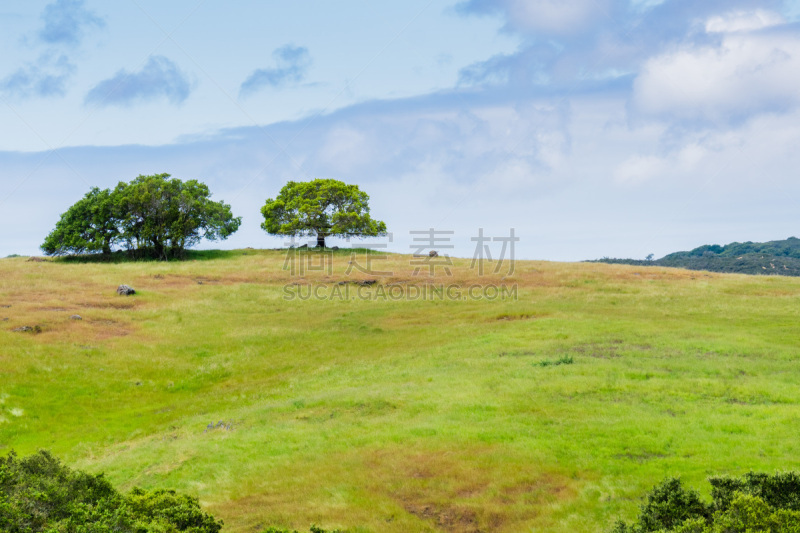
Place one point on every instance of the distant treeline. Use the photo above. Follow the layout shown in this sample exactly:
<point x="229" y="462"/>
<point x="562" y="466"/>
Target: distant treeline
<point x="771" y="258"/>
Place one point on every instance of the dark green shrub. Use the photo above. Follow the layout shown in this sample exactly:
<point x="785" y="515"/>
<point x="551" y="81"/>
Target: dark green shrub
<point x="38" y="494"/>
<point x="781" y="491"/>
<point x="669" y="505"/>
<point x="752" y="503"/>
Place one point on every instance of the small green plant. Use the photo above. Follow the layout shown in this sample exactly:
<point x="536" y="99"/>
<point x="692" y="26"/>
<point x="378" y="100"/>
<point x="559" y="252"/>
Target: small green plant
<point x="563" y="360"/>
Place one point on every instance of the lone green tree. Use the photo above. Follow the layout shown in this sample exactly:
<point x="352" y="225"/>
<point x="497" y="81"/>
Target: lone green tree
<point x="150" y="216"/>
<point x="321" y="207"/>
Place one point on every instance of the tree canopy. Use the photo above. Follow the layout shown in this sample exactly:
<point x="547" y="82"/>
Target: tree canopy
<point x="150" y="216"/>
<point x="321" y="207"/>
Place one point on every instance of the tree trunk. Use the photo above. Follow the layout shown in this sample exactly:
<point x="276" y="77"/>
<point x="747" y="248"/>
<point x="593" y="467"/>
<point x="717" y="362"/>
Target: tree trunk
<point x="320" y="240"/>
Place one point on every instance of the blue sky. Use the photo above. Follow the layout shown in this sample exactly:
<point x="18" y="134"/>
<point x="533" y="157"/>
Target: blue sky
<point x="592" y="127"/>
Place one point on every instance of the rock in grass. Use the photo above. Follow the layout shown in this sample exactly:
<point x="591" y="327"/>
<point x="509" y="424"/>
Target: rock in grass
<point x="76" y="317"/>
<point x="28" y="329"/>
<point x="125" y="290"/>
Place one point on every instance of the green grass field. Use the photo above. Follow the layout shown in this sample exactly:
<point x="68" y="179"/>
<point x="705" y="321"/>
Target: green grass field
<point x="389" y="415"/>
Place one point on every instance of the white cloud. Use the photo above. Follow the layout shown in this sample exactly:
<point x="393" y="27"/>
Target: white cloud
<point x="552" y="16"/>
<point x="743" y="21"/>
<point x="744" y="74"/>
<point x="639" y="168"/>
<point x="678" y="164"/>
<point x="345" y="149"/>
<point x="541" y="16"/>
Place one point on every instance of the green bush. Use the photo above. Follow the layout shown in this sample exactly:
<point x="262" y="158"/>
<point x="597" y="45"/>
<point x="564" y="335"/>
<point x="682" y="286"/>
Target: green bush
<point x="38" y="494"/>
<point x="753" y="503"/>
<point x="564" y="360"/>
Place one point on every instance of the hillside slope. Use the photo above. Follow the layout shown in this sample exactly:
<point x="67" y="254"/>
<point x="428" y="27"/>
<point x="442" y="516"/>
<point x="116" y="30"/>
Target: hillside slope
<point x="554" y="410"/>
<point x="770" y="258"/>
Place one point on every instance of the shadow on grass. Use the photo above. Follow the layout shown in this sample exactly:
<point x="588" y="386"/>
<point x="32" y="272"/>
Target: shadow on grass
<point x="203" y="255"/>
<point x="126" y="257"/>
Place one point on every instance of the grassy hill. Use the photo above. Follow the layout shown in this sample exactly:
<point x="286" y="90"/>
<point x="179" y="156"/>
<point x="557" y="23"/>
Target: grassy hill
<point x="398" y="414"/>
<point x="769" y="258"/>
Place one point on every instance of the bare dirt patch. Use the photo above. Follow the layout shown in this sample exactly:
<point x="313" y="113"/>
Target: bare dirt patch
<point x="104" y="329"/>
<point x="450" y="518"/>
<point x="110" y="304"/>
<point x="461" y="491"/>
<point x="517" y="316"/>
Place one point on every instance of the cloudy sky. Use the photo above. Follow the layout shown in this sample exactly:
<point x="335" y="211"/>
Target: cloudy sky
<point x="591" y="127"/>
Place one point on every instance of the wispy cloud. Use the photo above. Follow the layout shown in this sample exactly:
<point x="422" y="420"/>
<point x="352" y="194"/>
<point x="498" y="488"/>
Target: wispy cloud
<point x="66" y="21"/>
<point x="48" y="76"/>
<point x="65" y="24"/>
<point x="292" y="63"/>
<point x="159" y="78"/>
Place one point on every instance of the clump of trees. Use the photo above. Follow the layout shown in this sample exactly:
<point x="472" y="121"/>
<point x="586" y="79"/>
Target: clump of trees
<point x="38" y="494"/>
<point x="321" y="207"/>
<point x="764" y="258"/>
<point x="152" y="216"/>
<point x="752" y="503"/>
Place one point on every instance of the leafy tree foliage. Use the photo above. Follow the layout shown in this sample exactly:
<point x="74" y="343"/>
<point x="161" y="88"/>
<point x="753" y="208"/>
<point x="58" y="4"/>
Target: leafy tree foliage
<point x="322" y="207"/>
<point x="753" y="503"/>
<point x="151" y="216"/>
<point x="38" y="494"/>
<point x="90" y="225"/>
<point x="167" y="215"/>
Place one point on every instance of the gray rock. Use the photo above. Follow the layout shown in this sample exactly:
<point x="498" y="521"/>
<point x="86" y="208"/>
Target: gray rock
<point x="76" y="317"/>
<point x="28" y="329"/>
<point x="125" y="290"/>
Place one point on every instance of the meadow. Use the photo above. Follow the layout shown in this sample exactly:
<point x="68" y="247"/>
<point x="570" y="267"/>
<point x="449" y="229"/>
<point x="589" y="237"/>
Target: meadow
<point x="551" y="411"/>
